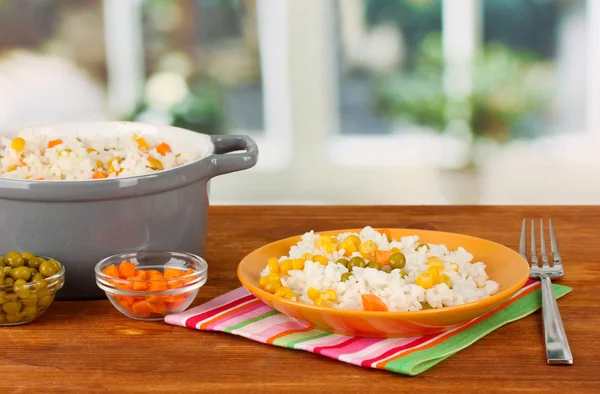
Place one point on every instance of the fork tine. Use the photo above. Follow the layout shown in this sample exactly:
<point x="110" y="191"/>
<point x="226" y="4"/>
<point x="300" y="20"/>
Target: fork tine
<point x="554" y="246"/>
<point x="523" y="244"/>
<point x="534" y="258"/>
<point x="543" y="245"/>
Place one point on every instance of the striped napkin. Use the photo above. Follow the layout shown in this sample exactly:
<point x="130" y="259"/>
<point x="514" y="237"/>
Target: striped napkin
<point x="240" y="313"/>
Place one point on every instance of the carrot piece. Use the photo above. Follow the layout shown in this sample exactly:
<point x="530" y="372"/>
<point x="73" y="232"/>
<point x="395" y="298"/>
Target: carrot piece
<point x="150" y="273"/>
<point x="124" y="285"/>
<point x="125" y="301"/>
<point x="127" y="269"/>
<point x="53" y="143"/>
<point x="188" y="272"/>
<point x="99" y="175"/>
<point x="159" y="308"/>
<point x="373" y="303"/>
<point x="139" y="283"/>
<point x="157" y="299"/>
<point x="383" y="256"/>
<point x="157" y="284"/>
<point x="111" y="270"/>
<point x="385" y="231"/>
<point x="142" y="308"/>
<point x="174" y="284"/>
<point x="171" y="273"/>
<point x="163" y="148"/>
<point x="143" y="275"/>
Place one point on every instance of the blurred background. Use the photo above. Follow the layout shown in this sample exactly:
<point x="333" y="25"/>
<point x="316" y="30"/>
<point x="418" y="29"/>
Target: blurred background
<point x="350" y="101"/>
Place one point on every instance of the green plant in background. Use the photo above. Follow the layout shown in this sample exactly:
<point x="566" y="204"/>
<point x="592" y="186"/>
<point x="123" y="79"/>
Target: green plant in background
<point x="201" y="110"/>
<point x="510" y="91"/>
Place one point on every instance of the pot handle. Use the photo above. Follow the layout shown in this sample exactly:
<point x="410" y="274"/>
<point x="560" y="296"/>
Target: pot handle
<point x="224" y="164"/>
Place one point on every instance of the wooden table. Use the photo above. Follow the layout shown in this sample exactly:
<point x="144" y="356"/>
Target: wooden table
<point x="90" y="347"/>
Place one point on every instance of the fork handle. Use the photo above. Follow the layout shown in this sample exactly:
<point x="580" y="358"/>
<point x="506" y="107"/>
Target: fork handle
<point x="557" y="346"/>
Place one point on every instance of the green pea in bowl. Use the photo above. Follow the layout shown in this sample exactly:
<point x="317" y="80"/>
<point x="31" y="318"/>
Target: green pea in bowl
<point x="28" y="284"/>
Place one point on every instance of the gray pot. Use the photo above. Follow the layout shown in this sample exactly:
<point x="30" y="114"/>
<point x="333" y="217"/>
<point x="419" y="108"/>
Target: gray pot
<point x="81" y="222"/>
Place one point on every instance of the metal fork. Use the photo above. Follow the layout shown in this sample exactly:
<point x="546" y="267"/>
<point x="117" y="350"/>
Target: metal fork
<point x="557" y="346"/>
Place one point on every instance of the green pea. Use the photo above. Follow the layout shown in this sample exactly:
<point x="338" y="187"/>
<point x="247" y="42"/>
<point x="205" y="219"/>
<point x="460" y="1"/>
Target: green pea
<point x="8" y="281"/>
<point x="13" y="317"/>
<point x="14" y="259"/>
<point x="27" y="256"/>
<point x="7" y="271"/>
<point x="2" y="261"/>
<point x="30" y="311"/>
<point x="48" y="269"/>
<point x="42" y="291"/>
<point x="374" y="264"/>
<point x="403" y="273"/>
<point x="55" y="263"/>
<point x="346" y="276"/>
<point x="2" y="318"/>
<point x="3" y="300"/>
<point x="356" y="261"/>
<point x="38" y="276"/>
<point x="10" y="296"/>
<point x="45" y="301"/>
<point x="2" y="275"/>
<point x="31" y="300"/>
<point x="24" y="293"/>
<point x="20" y="273"/>
<point x="12" y="307"/>
<point x="33" y="271"/>
<point x="343" y="262"/>
<point x="423" y="246"/>
<point x="397" y="260"/>
<point x="34" y="262"/>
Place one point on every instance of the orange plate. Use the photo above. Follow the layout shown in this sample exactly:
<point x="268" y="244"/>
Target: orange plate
<point x="504" y="266"/>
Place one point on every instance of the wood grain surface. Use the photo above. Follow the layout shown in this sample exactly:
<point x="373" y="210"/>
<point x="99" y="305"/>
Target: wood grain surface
<point x="88" y="347"/>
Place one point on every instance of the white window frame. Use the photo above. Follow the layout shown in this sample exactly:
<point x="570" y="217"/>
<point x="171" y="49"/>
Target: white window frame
<point x="302" y="153"/>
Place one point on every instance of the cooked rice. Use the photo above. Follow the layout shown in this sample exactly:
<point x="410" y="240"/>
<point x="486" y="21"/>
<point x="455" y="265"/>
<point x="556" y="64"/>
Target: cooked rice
<point x="469" y="282"/>
<point x="79" y="158"/>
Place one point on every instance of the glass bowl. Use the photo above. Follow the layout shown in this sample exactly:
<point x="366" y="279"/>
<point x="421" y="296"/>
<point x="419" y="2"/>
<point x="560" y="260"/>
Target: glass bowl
<point x="22" y="303"/>
<point x="165" y="282"/>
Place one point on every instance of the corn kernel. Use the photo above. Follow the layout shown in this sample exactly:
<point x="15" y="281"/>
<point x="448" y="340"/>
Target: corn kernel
<point x="321" y="302"/>
<point x="329" y="295"/>
<point x="367" y="248"/>
<point x="326" y="243"/>
<point x="290" y="295"/>
<point x="262" y="282"/>
<point x="424" y="280"/>
<point x="307" y="256"/>
<point x="285" y="266"/>
<point x="321" y="260"/>
<point x="18" y="144"/>
<point x="329" y="248"/>
<point x="91" y="150"/>
<point x="12" y="168"/>
<point x="99" y="164"/>
<point x="350" y="244"/>
<point x="298" y="264"/>
<point x="273" y="265"/>
<point x="435" y="262"/>
<point x="155" y="164"/>
<point x="446" y="280"/>
<point x="313" y="293"/>
<point x="272" y="286"/>
<point x="454" y="266"/>
<point x="435" y="275"/>
<point x="282" y="291"/>
<point x="274" y="276"/>
<point x="142" y="144"/>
